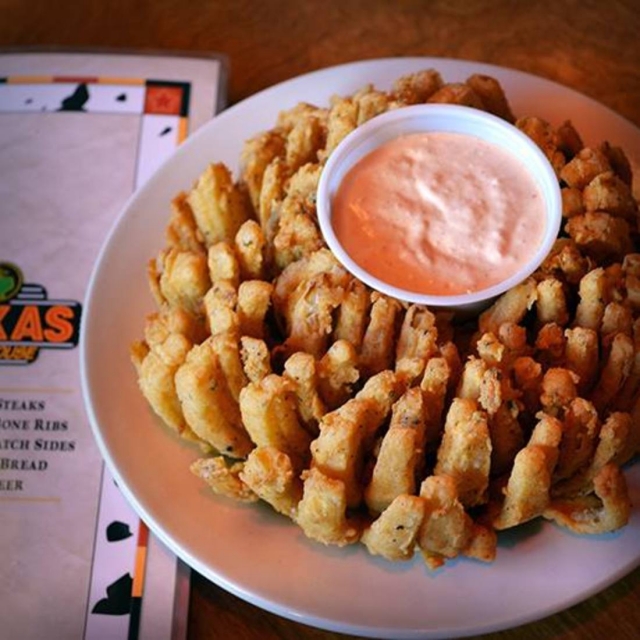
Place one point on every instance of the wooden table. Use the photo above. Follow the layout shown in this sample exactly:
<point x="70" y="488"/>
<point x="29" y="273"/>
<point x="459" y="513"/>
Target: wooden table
<point x="593" y="47"/>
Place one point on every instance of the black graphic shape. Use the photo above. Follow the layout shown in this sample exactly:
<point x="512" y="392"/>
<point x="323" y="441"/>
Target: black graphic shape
<point x="77" y="100"/>
<point x="165" y="131"/>
<point x="28" y="101"/>
<point x="117" y="531"/>
<point x="122" y="97"/>
<point x="118" y="600"/>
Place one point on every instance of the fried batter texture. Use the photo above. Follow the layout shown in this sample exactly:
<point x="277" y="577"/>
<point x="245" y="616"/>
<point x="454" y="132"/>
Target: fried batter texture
<point x="365" y="419"/>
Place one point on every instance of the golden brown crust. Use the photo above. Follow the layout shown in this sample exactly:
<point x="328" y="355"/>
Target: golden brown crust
<point x="362" y="417"/>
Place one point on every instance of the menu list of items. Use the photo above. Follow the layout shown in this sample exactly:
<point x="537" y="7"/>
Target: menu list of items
<point x="19" y="423"/>
<point x="78" y="133"/>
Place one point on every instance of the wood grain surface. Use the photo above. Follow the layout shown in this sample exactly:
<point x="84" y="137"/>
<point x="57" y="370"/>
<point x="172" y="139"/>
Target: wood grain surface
<point x="589" y="45"/>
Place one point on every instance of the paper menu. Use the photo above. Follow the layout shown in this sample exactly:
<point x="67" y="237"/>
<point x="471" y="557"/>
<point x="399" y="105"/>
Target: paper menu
<point x="78" y="133"/>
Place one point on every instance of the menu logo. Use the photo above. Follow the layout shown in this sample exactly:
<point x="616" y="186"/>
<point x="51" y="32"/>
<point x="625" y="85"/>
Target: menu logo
<point x="30" y="321"/>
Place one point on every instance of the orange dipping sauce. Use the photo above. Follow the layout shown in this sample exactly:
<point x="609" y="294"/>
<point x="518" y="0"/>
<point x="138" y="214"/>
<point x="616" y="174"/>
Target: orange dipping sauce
<point x="439" y="213"/>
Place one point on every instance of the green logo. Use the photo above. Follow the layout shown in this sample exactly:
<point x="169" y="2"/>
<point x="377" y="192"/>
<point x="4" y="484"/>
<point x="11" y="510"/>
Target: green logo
<point x="10" y="281"/>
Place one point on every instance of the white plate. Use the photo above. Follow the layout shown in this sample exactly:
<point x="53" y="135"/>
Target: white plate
<point x="254" y="553"/>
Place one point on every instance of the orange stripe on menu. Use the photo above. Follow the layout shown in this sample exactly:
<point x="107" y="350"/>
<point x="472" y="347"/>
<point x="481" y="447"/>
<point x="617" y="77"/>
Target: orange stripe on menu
<point x="76" y="79"/>
<point x="141" y="559"/>
<point x="30" y="79"/>
<point x="116" y="80"/>
<point x="182" y="130"/>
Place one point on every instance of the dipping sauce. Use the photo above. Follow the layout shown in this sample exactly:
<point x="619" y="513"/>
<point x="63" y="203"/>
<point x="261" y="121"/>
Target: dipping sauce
<point x="439" y="213"/>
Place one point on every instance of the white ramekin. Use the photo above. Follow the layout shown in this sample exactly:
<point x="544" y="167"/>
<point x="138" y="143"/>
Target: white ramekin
<point x="446" y="118"/>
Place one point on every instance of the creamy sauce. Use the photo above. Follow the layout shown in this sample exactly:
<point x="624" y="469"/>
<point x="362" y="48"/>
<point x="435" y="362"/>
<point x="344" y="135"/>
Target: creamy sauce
<point x="439" y="213"/>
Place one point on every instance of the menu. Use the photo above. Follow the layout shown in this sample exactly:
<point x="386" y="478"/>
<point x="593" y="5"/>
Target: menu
<point x="79" y="132"/>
